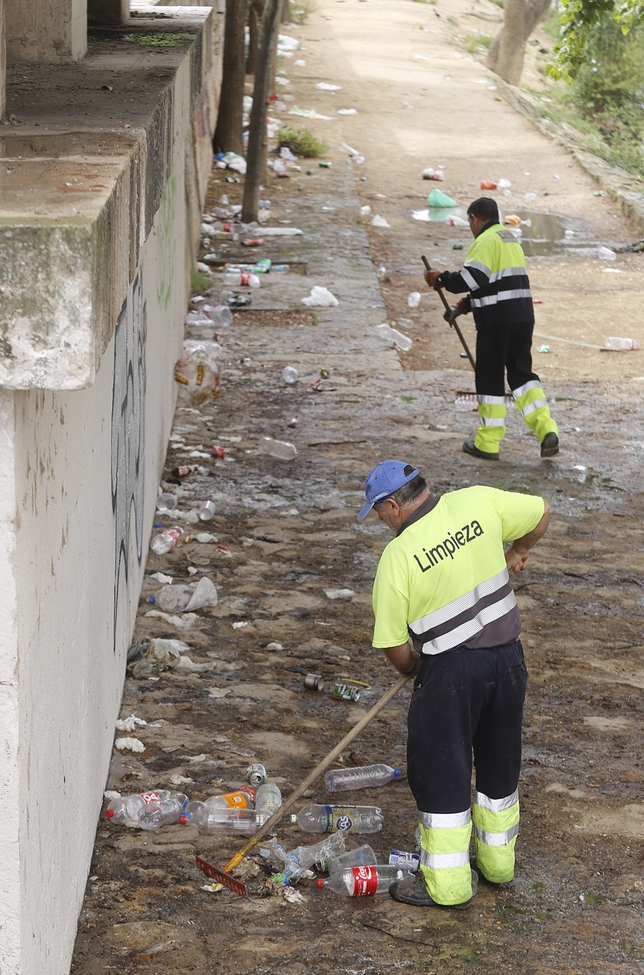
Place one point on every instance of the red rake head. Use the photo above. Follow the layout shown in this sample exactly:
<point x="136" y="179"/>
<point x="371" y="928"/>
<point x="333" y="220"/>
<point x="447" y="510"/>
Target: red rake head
<point x="223" y="878"/>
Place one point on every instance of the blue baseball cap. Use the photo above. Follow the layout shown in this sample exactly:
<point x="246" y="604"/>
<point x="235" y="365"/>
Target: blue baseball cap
<point x="385" y="480"/>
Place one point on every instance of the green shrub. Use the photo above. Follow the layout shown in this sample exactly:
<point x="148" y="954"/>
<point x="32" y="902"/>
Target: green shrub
<point x="199" y="282"/>
<point x="477" y="42"/>
<point x="301" y="142"/>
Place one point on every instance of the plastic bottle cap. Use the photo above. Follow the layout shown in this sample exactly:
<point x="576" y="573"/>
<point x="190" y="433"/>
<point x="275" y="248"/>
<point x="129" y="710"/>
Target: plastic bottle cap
<point x="184" y="818"/>
<point x="397" y="773"/>
<point x="319" y="883"/>
<point x="293" y="817"/>
<point x="109" y="813"/>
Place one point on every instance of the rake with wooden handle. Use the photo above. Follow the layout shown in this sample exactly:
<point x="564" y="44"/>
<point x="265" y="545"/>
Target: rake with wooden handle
<point x="452" y="318"/>
<point x="223" y="876"/>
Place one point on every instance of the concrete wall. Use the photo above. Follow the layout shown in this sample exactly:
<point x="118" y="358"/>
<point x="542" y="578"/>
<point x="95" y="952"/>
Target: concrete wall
<point x="83" y="447"/>
<point x="47" y="30"/>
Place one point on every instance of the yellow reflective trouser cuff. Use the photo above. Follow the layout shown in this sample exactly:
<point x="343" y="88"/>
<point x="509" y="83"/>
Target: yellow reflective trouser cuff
<point x="492" y="429"/>
<point x="445" y="863"/>
<point x="495" y="831"/>
<point x="533" y="407"/>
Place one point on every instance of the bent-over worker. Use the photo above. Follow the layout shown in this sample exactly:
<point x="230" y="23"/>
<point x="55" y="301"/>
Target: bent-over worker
<point x="499" y="297"/>
<point x="443" y="586"/>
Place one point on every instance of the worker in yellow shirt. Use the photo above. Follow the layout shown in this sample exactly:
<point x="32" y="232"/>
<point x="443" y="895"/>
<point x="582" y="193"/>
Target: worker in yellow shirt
<point x="496" y="279"/>
<point x="445" y="612"/>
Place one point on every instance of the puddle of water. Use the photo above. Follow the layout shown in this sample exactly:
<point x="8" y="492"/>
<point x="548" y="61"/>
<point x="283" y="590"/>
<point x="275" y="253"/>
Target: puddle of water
<point x="540" y="234"/>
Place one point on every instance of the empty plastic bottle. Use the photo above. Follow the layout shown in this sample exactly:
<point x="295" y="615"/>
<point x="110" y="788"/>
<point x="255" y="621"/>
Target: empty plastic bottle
<point x="327" y="819"/>
<point x="267" y="801"/>
<point x="164" y="812"/>
<point x="361" y="777"/>
<point x="167" y="540"/>
<point x="127" y="810"/>
<point x="362" y="881"/>
<point x="362" y="856"/>
<point x="393" y="335"/>
<point x="289" y="375"/>
<point x="620" y="345"/>
<point x="295" y="862"/>
<point x="241" y="278"/>
<point x="216" y="819"/>
<point x="279" y="449"/>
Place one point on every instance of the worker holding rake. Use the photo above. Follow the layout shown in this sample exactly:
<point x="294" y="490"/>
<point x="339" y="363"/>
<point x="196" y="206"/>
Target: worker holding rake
<point x="446" y="613"/>
<point x="499" y="297"/>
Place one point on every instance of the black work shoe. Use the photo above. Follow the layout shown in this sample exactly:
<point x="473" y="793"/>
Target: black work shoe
<point x="469" y="447"/>
<point x="550" y="445"/>
<point x="414" y="892"/>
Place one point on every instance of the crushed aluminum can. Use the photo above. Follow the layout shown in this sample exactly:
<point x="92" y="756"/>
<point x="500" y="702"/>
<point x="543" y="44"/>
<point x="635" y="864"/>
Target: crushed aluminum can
<point x="404" y="859"/>
<point x="256" y="775"/>
<point x="313" y="682"/>
<point x="345" y="692"/>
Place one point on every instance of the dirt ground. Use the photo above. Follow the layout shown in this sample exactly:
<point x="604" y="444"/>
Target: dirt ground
<point x="290" y="537"/>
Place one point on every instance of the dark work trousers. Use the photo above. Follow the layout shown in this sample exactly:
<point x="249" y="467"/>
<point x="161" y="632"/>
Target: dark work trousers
<point x="466" y="701"/>
<point x="501" y="348"/>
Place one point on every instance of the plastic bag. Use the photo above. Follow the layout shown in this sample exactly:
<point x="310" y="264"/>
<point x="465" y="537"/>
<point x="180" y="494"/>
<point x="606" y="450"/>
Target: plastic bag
<point x="320" y="296"/>
<point x="187" y="598"/>
<point x="198" y="375"/>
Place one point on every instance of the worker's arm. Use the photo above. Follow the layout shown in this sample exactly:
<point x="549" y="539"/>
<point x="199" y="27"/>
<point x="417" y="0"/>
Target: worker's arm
<point x="517" y="555"/>
<point x="404" y="659"/>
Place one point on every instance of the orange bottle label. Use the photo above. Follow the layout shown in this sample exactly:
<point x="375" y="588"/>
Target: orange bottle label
<point x="236" y="800"/>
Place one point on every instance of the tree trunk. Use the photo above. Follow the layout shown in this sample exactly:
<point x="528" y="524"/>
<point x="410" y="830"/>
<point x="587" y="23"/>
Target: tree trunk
<point x="228" y="135"/>
<point x="255" y="10"/>
<point x="257" y="141"/>
<point x="507" y="51"/>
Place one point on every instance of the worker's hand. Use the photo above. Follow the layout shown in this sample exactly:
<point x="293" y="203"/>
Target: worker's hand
<point x="515" y="559"/>
<point x="431" y="277"/>
<point x="462" y="307"/>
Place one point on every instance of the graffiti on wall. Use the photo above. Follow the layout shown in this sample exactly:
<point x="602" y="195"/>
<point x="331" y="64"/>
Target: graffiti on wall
<point x="128" y="438"/>
<point x="166" y="243"/>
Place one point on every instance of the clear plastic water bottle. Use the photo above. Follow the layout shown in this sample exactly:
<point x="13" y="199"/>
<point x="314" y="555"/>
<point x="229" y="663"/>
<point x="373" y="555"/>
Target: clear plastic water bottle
<point x="617" y="344"/>
<point x="216" y="819"/>
<point x="362" y="777"/>
<point x="289" y="375"/>
<point x="362" y="856"/>
<point x="362" y="881"/>
<point x="167" y="540"/>
<point x="393" y="335"/>
<point x="245" y="278"/>
<point x="327" y="819"/>
<point x="127" y="810"/>
<point x="295" y="862"/>
<point x="268" y="801"/>
<point x="164" y="812"/>
<point x="279" y="449"/>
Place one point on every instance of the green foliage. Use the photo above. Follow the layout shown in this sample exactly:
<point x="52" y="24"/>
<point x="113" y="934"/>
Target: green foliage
<point x="198" y="282"/>
<point x="578" y="19"/>
<point x="477" y="42"/>
<point x="603" y="100"/>
<point x="499" y="3"/>
<point x="300" y="13"/>
<point x="301" y="142"/>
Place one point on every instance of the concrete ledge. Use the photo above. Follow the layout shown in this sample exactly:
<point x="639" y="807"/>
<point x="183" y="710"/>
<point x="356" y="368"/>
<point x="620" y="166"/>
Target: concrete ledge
<point x="626" y="189"/>
<point x="81" y="181"/>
